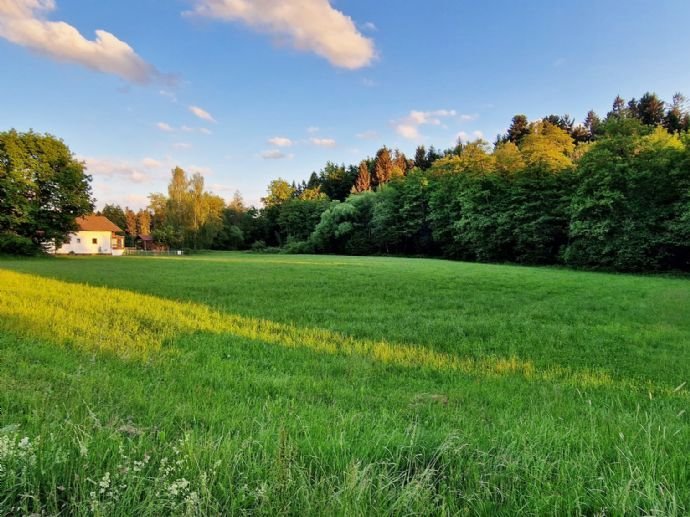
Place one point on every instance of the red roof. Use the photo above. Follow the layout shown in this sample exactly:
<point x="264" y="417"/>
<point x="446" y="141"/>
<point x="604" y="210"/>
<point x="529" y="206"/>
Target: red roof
<point x="97" y="223"/>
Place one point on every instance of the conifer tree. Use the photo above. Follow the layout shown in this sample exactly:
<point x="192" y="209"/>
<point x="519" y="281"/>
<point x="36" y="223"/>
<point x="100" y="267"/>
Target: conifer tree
<point x="383" y="167"/>
<point x="363" y="181"/>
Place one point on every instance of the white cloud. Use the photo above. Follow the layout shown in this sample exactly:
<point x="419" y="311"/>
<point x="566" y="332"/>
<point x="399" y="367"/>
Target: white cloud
<point x="167" y="128"/>
<point x="323" y="142"/>
<point x="369" y="83"/>
<point x="408" y="131"/>
<point x="201" y="113"/>
<point x="367" y="135"/>
<point x="309" y="25"/>
<point x="23" y="23"/>
<point x="280" y="141"/>
<point x="115" y="169"/>
<point x="313" y="129"/>
<point x="408" y="127"/>
<point x="369" y="26"/>
<point x="182" y="145"/>
<point x="463" y="136"/>
<point x="151" y="163"/>
<point x="465" y="117"/>
<point x="205" y="131"/>
<point x="275" y="154"/>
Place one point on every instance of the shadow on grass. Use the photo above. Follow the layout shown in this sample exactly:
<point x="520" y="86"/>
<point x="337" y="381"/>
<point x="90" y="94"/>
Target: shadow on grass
<point x="138" y="327"/>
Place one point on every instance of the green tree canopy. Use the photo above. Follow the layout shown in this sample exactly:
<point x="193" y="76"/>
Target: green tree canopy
<point x="43" y="188"/>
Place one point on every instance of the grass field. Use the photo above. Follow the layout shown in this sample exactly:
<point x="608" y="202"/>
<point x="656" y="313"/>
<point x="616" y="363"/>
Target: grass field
<point x="236" y="383"/>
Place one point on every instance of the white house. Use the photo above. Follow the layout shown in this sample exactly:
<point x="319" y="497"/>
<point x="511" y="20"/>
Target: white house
<point x="97" y="235"/>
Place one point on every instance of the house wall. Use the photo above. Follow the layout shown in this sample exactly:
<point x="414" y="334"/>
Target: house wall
<point x="82" y="243"/>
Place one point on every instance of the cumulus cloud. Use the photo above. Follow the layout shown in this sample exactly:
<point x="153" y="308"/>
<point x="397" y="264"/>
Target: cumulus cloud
<point x="275" y="154"/>
<point x="408" y="127"/>
<point x="23" y="22"/>
<point x="463" y="136"/>
<point x="280" y="141"/>
<point x="167" y="128"/>
<point x="151" y="163"/>
<point x="309" y="25"/>
<point x="116" y="169"/>
<point x="323" y="142"/>
<point x="201" y="113"/>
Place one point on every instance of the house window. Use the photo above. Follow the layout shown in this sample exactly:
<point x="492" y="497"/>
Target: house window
<point x="94" y="241"/>
<point x="78" y="240"/>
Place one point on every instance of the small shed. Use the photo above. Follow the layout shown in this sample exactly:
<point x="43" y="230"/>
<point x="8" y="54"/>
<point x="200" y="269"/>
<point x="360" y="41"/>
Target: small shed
<point x="145" y="242"/>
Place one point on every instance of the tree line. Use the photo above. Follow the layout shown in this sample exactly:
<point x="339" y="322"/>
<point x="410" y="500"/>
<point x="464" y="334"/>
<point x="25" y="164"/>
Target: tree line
<point x="611" y="192"/>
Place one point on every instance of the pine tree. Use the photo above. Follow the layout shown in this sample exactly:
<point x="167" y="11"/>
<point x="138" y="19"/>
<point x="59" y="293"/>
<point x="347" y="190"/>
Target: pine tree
<point x="618" y="108"/>
<point x="519" y="129"/>
<point x="420" y="158"/>
<point x="363" y="181"/>
<point x="383" y="167"/>
<point x="313" y="181"/>
<point x="592" y="124"/>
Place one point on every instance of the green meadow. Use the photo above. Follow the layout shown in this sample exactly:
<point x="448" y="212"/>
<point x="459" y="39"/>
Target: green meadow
<point x="323" y="385"/>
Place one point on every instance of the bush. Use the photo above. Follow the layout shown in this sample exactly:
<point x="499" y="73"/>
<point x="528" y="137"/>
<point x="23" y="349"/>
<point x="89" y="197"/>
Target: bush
<point x="258" y="246"/>
<point x="299" y="248"/>
<point x="11" y="244"/>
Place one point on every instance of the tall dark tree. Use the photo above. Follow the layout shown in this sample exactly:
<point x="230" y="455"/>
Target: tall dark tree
<point x="565" y="122"/>
<point x="592" y="124"/>
<point x="432" y="156"/>
<point x="651" y="109"/>
<point x="519" y="129"/>
<point x="116" y="214"/>
<point x="336" y="181"/>
<point x="617" y="109"/>
<point x="420" y="158"/>
<point x="677" y="118"/>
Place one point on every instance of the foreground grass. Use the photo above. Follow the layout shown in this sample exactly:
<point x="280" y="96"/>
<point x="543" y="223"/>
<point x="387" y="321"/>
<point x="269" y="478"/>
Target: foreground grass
<point x="235" y="383"/>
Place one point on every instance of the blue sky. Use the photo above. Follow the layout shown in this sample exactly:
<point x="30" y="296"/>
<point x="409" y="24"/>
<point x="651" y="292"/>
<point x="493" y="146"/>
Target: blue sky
<point x="282" y="86"/>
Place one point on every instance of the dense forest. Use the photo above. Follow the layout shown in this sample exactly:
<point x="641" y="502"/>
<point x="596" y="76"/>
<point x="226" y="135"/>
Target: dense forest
<point x="611" y="192"/>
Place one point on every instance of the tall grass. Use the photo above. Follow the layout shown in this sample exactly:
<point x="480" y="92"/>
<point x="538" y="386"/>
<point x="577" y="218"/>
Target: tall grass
<point x="213" y="389"/>
<point x="133" y="325"/>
